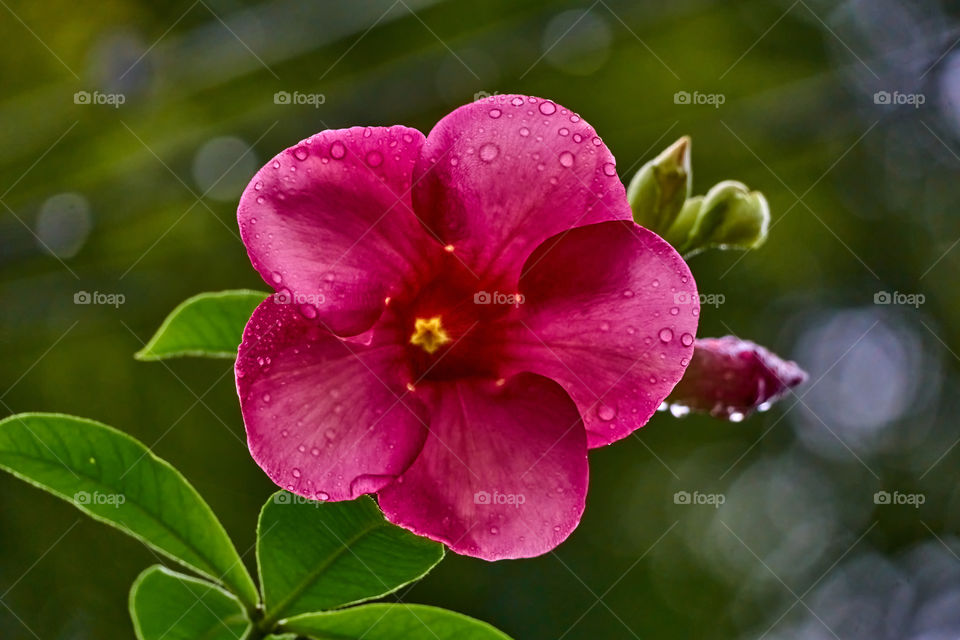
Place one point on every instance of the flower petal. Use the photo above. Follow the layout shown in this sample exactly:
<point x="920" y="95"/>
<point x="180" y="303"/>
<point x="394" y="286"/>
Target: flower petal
<point x="729" y="377"/>
<point x="498" y="176"/>
<point x="329" y="222"/>
<point x="610" y="313"/>
<point x="323" y="415"/>
<point x="503" y="473"/>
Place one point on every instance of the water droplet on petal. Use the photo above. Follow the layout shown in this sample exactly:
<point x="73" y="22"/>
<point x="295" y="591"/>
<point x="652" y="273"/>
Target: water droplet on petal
<point x="610" y="169"/>
<point x="606" y="412"/>
<point x="489" y="152"/>
<point x="337" y="150"/>
<point x="494" y="530"/>
<point x="666" y="334"/>
<point x="258" y="186"/>
<point x="548" y="108"/>
<point x="495" y="113"/>
<point x="300" y="153"/>
<point x="374" y="159"/>
<point x="564" y="131"/>
<point x="686" y="339"/>
<point x="266" y="397"/>
<point x="674" y="311"/>
<point x="323" y="496"/>
<point x="524" y="131"/>
<point x="566" y="159"/>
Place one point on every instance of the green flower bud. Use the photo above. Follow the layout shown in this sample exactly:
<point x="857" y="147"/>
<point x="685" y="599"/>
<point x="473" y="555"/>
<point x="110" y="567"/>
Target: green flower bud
<point x="679" y="231"/>
<point x="659" y="189"/>
<point x="730" y="217"/>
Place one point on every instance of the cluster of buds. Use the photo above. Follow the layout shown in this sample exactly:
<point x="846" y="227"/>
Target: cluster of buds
<point x="729" y="216"/>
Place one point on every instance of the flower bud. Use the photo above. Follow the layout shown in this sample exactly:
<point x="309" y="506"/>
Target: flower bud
<point x="729" y="378"/>
<point x="730" y="217"/>
<point x="659" y="189"/>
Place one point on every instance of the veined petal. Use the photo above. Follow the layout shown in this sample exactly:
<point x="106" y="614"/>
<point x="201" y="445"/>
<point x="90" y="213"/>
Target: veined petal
<point x="610" y="312"/>
<point x="326" y="418"/>
<point x="498" y="176"/>
<point x="503" y="472"/>
<point x="329" y="224"/>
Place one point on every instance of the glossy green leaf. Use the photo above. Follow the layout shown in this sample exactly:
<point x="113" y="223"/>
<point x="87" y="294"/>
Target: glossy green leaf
<point x="392" y="621"/>
<point x="316" y="556"/>
<point x="208" y="325"/>
<point x="115" y="479"/>
<point x="166" y="605"/>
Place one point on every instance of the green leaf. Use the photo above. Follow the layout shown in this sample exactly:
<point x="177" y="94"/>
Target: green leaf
<point x="392" y="621"/>
<point x="208" y="325"/>
<point x="115" y="479"/>
<point x="166" y="605"/>
<point x="316" y="556"/>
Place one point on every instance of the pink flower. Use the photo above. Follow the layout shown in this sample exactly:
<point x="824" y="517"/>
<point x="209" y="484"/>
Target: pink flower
<point x="730" y="378"/>
<point x="459" y="318"/>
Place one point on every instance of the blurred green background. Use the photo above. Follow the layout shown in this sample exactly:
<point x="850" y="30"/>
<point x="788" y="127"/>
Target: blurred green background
<point x="139" y="199"/>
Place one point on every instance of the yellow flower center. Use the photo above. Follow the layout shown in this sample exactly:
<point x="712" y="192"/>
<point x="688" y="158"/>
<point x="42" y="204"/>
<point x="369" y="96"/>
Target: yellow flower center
<point x="428" y="334"/>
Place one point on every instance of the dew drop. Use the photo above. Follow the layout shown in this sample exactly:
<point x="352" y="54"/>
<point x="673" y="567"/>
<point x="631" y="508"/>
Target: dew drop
<point x="495" y="113"/>
<point x="606" y="412"/>
<point x="566" y="159"/>
<point x="686" y="339"/>
<point x="577" y="138"/>
<point x="266" y="397"/>
<point x="374" y="158"/>
<point x="610" y="169"/>
<point x="564" y="131"/>
<point x="489" y="152"/>
<point x="736" y="416"/>
<point x="277" y="278"/>
<point x="315" y="452"/>
<point x="337" y="150"/>
<point x="548" y="108"/>
<point x="302" y="448"/>
<point x="674" y="311"/>
<point x="300" y="153"/>
<point x="666" y="334"/>
<point x="517" y="102"/>
<point x="276" y="164"/>
<point x="655" y="284"/>
<point x="524" y="131"/>
<point x="296" y="473"/>
<point x="258" y="186"/>
<point x="494" y="530"/>
<point x="323" y="496"/>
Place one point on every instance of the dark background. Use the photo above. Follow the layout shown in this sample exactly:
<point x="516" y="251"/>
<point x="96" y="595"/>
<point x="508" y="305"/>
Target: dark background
<point x="140" y="200"/>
